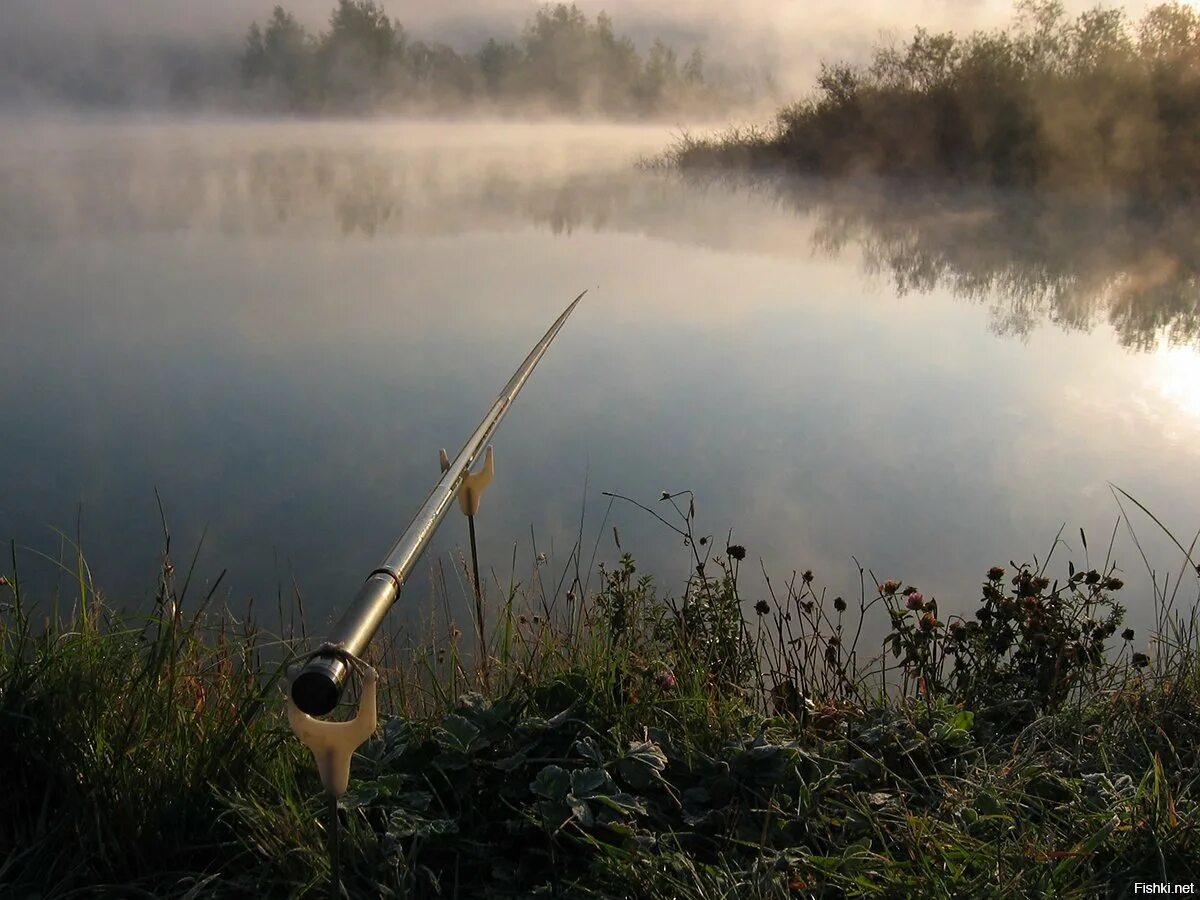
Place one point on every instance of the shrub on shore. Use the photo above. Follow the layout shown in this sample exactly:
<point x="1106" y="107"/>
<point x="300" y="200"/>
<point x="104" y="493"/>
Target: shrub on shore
<point x="1098" y="105"/>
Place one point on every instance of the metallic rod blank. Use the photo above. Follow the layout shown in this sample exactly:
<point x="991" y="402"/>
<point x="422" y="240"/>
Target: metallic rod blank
<point x="318" y="686"/>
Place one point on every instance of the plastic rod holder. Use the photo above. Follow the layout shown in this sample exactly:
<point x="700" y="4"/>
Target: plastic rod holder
<point x="333" y="743"/>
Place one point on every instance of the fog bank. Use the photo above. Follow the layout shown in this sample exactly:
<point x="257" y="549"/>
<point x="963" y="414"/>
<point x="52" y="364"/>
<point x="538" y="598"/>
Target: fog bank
<point x="130" y="53"/>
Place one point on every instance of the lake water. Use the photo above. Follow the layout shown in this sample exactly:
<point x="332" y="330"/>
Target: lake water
<point x="277" y="326"/>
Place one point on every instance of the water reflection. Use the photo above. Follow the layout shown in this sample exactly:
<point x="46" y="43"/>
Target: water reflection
<point x="278" y="326"/>
<point x="1074" y="267"/>
<point x="1029" y="263"/>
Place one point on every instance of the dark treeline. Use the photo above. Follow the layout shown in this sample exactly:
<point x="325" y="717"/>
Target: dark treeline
<point x="1096" y="104"/>
<point x="563" y="62"/>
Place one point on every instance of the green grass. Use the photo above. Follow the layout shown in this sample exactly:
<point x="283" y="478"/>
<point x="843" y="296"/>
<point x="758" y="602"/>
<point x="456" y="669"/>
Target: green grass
<point x="731" y="741"/>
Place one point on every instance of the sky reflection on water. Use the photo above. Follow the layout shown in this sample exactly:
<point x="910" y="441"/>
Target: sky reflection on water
<point x="278" y="326"/>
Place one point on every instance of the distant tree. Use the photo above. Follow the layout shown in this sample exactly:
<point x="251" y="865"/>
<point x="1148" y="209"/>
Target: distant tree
<point x="498" y="63"/>
<point x="615" y="65"/>
<point x="281" y="58"/>
<point x="360" y="52"/>
<point x="440" y="74"/>
<point x="253" y="55"/>
<point x="927" y="60"/>
<point x="1099" y="39"/>
<point x="840" y="84"/>
<point x="556" y="47"/>
<point x="693" y="69"/>
<point x="660" y="76"/>
<point x="564" y="60"/>
<point x="1042" y="38"/>
<point x="1169" y="34"/>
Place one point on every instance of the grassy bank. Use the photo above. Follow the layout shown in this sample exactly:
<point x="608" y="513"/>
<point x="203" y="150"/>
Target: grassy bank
<point x="626" y="743"/>
<point x="1096" y="105"/>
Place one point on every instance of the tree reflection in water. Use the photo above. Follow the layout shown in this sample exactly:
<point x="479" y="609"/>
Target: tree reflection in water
<point x="1029" y="262"/>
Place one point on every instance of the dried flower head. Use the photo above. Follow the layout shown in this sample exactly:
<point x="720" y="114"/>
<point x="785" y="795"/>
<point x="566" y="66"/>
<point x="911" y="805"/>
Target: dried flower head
<point x="1140" y="660"/>
<point x="1127" y="634"/>
<point x="889" y="587"/>
<point x="839" y="604"/>
<point x="762" y="607"/>
<point x="995" y="573"/>
<point x="736" y="551"/>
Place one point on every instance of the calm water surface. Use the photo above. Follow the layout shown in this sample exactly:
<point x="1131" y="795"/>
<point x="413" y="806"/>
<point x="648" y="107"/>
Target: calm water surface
<point x="277" y="326"/>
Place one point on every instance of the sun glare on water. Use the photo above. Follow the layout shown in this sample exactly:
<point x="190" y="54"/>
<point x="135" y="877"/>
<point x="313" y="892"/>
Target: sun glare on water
<point x="1176" y="375"/>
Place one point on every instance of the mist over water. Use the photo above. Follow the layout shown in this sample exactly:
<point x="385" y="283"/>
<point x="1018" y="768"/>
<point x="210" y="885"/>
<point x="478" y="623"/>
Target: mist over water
<point x="72" y="54"/>
<point x="277" y="326"/>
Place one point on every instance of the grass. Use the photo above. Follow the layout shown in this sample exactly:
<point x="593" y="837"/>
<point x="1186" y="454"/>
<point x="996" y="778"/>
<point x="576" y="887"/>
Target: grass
<point x="623" y="742"/>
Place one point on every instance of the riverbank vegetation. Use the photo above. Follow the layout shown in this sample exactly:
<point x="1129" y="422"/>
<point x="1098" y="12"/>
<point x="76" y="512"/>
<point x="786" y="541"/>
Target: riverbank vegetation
<point x="622" y="743"/>
<point x="1097" y="105"/>
<point x="563" y="62"/>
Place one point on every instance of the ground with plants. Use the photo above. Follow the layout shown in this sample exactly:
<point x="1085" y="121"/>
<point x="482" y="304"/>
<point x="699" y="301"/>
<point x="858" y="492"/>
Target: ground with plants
<point x="626" y="743"/>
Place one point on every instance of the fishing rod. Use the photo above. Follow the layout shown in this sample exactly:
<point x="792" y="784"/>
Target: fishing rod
<point x="317" y="687"/>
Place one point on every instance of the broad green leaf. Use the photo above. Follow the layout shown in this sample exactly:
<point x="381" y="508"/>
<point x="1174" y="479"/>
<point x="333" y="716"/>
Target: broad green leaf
<point x="552" y="783"/>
